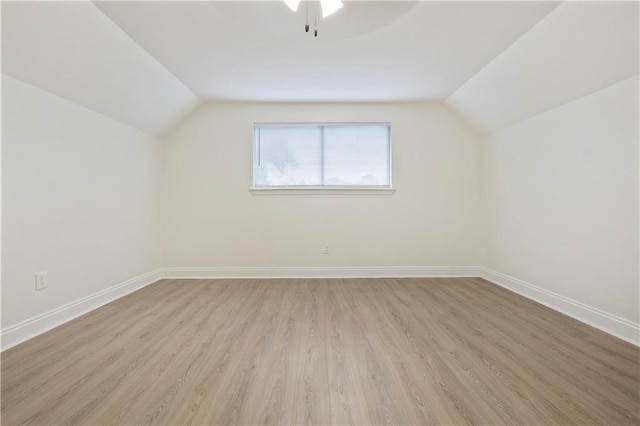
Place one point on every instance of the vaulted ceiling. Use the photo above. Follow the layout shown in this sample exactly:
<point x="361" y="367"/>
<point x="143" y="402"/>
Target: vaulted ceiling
<point x="148" y="63"/>
<point x="577" y="49"/>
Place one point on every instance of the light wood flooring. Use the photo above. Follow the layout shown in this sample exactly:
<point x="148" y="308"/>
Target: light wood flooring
<point x="347" y="351"/>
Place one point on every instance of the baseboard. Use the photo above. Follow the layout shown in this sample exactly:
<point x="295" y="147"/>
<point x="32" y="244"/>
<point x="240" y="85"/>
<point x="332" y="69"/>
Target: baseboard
<point x="619" y="327"/>
<point x="604" y="321"/>
<point x="34" y="326"/>
<point x="322" y="272"/>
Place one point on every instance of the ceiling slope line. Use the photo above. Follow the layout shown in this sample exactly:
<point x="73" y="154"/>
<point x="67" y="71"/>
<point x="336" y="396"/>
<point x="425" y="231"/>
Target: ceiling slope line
<point x="586" y="95"/>
<point x="575" y="50"/>
<point x="198" y="101"/>
<point x="93" y="3"/>
<point x="239" y="51"/>
<point x="73" y="50"/>
<point x="503" y="52"/>
<point x="4" y="75"/>
<point x="477" y="127"/>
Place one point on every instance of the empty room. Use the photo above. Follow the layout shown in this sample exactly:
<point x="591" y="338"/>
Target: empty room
<point x="316" y="212"/>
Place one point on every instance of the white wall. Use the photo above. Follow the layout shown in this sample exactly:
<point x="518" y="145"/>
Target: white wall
<point x="560" y="195"/>
<point x="80" y="199"/>
<point x="212" y="220"/>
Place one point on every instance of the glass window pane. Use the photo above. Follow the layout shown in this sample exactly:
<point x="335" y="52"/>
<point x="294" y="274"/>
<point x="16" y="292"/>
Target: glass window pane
<point x="356" y="155"/>
<point x="288" y="156"/>
<point x="322" y="155"/>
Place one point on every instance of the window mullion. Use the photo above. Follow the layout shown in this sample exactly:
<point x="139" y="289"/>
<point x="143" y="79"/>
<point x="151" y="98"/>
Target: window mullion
<point x="321" y="155"/>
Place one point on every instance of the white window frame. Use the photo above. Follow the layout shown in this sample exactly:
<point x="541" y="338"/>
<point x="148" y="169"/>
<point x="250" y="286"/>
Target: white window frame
<point x="320" y="189"/>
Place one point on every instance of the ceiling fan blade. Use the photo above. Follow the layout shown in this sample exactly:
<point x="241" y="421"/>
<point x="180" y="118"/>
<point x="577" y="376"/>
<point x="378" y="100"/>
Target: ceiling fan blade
<point x="330" y="6"/>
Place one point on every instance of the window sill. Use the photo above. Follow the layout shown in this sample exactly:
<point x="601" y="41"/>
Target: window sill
<point x="321" y="191"/>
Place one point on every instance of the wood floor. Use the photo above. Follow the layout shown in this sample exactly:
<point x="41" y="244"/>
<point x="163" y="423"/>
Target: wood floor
<point x="366" y="351"/>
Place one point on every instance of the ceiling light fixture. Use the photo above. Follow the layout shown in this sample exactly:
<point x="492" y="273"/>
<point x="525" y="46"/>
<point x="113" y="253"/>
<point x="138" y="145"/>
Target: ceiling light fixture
<point x="328" y="8"/>
<point x="293" y="4"/>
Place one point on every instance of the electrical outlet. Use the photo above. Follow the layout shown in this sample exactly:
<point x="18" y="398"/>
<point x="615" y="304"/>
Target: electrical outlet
<point x="41" y="280"/>
<point x="326" y="248"/>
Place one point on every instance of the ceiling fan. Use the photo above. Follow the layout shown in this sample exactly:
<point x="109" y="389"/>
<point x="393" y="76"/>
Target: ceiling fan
<point x="328" y="6"/>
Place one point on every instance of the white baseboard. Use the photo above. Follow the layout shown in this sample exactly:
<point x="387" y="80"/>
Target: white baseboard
<point x="619" y="327"/>
<point x="322" y="272"/>
<point x="34" y="326"/>
<point x="604" y="321"/>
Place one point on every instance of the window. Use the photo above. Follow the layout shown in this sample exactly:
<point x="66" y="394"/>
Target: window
<point x="322" y="156"/>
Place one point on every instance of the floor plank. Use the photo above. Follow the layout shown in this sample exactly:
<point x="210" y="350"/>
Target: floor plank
<point x="325" y="351"/>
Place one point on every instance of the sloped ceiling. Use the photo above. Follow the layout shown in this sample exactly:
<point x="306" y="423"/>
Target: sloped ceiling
<point x="577" y="49"/>
<point x="368" y="51"/>
<point x="149" y="63"/>
<point x="73" y="50"/>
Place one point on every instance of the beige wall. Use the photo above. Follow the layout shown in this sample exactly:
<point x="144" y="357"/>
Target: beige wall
<point x="560" y="196"/>
<point x="80" y="199"/>
<point x="552" y="200"/>
<point x="212" y="220"/>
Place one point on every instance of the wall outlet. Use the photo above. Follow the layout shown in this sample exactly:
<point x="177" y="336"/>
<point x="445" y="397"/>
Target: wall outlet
<point x="326" y="248"/>
<point x="41" y="280"/>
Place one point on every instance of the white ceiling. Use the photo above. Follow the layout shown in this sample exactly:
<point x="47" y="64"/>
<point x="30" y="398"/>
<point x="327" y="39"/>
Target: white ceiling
<point x="367" y="51"/>
<point x="577" y="49"/>
<point x="73" y="50"/>
<point x="149" y="63"/>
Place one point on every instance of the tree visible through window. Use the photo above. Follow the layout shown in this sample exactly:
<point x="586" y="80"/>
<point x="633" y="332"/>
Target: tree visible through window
<point x="324" y="155"/>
